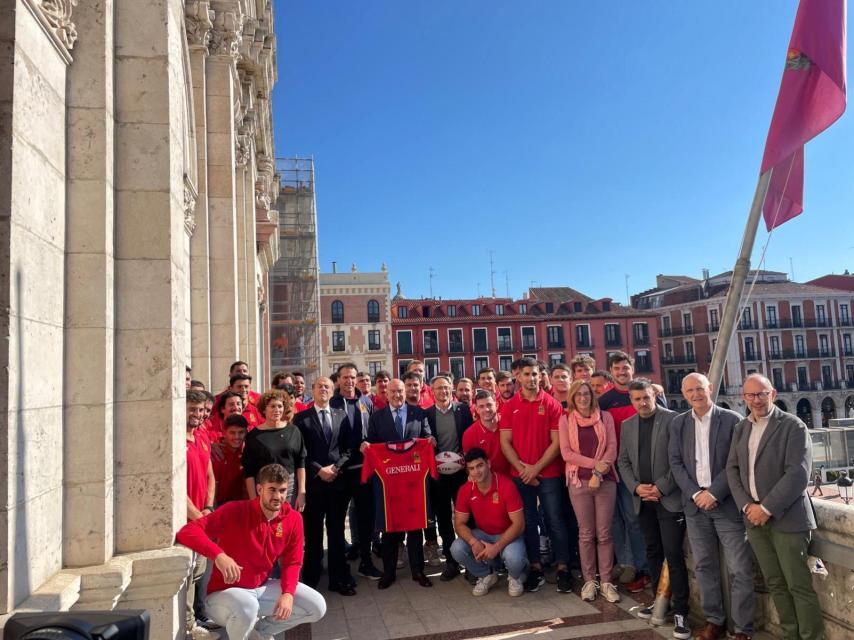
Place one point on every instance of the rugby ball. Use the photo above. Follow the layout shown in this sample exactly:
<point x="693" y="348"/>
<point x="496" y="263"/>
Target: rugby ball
<point x="449" y="462"/>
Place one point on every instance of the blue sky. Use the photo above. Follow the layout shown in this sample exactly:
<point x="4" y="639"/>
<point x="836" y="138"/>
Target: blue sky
<point x="578" y="141"/>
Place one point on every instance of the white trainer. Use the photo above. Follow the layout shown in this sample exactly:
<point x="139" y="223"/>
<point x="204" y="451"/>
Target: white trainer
<point x="200" y="633"/>
<point x="609" y="592"/>
<point x="484" y="584"/>
<point x="515" y="588"/>
<point x="431" y="554"/>
<point x="589" y="590"/>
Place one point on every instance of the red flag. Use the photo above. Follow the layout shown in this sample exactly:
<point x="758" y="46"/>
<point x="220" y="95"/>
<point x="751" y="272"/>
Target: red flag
<point x="811" y="98"/>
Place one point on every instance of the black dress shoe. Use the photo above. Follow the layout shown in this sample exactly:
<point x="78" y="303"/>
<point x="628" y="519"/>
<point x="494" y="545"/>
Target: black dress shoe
<point x="421" y="579"/>
<point x="369" y="571"/>
<point x="352" y="552"/>
<point x="385" y="582"/>
<point x="344" y="589"/>
<point x="451" y="571"/>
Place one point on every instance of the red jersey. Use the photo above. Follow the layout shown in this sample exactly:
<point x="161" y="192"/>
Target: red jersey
<point x="403" y="470"/>
<point x="426" y="399"/>
<point x="491" y="510"/>
<point x="532" y="422"/>
<point x="229" y="476"/>
<point x="478" y="436"/>
<point x="619" y="405"/>
<point x="252" y="415"/>
<point x="379" y="402"/>
<point x="198" y="459"/>
<point x="243" y="532"/>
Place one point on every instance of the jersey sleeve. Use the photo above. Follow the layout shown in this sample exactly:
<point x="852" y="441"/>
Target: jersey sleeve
<point x="461" y="504"/>
<point x="368" y="465"/>
<point x="555" y="413"/>
<point x="514" y="500"/>
<point x="290" y="561"/>
<point x="505" y="417"/>
<point x="434" y="469"/>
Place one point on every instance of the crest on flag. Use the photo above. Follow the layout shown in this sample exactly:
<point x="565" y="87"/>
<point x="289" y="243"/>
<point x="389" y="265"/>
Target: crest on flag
<point x="797" y="60"/>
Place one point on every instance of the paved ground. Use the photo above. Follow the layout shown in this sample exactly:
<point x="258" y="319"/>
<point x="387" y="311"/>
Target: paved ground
<point x="448" y="611"/>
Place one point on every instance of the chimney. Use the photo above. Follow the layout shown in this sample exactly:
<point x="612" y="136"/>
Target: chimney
<point x="334" y="267"/>
<point x="705" y="274"/>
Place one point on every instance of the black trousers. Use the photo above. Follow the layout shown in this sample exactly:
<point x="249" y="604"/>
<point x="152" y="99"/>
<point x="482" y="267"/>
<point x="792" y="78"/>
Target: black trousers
<point x="664" y="534"/>
<point x="443" y="495"/>
<point x="363" y="501"/>
<point x="414" y="549"/>
<point x="325" y="501"/>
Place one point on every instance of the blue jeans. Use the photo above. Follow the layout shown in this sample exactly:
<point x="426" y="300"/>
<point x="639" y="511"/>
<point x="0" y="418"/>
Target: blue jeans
<point x="513" y="556"/>
<point x="550" y="492"/>
<point x="628" y="540"/>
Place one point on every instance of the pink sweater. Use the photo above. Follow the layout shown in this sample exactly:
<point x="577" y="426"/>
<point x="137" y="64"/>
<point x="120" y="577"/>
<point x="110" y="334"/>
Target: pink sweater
<point x="575" y="459"/>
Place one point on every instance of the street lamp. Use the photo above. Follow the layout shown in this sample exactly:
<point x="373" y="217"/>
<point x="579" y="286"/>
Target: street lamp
<point x="844" y="483"/>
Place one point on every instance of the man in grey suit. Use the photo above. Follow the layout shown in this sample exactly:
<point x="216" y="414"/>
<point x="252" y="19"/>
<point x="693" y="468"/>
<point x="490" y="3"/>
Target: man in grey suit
<point x="645" y="469"/>
<point x="699" y="446"/>
<point x="768" y="471"/>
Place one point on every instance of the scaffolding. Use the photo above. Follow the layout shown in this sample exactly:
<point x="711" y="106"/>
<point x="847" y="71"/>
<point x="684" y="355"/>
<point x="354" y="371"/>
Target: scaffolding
<point x="294" y="280"/>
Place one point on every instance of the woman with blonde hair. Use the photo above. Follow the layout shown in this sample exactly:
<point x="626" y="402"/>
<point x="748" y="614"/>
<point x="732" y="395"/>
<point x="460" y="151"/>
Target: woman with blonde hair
<point x="277" y="441"/>
<point x="588" y="444"/>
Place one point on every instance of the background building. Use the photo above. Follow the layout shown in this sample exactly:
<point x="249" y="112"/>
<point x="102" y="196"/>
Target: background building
<point x="355" y="320"/>
<point x="552" y="324"/>
<point x="798" y="335"/>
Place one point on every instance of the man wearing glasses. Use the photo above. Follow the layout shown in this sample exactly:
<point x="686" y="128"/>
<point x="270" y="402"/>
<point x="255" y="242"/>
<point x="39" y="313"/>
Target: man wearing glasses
<point x="768" y="470"/>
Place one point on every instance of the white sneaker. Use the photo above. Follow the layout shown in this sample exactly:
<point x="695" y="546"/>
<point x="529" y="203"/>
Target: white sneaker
<point x="483" y="585"/>
<point x="515" y="587"/>
<point x="609" y="592"/>
<point x="401" y="556"/>
<point x="589" y="590"/>
<point x="431" y="554"/>
<point x="200" y="633"/>
<point x="257" y="635"/>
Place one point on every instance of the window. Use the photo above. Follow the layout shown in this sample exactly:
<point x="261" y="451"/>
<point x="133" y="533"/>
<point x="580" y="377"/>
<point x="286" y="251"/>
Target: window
<point x="777" y="379"/>
<point x="640" y="332"/>
<point x="475" y="309"/>
<point x="337" y="312"/>
<point x="844" y="318"/>
<point x="797" y="318"/>
<point x="612" y="335"/>
<point x="374" y="368"/>
<point x="458" y="368"/>
<point x="402" y="366"/>
<point x="823" y="346"/>
<point x="505" y="342"/>
<point x="820" y="316"/>
<point x="338" y="341"/>
<point x="504" y="363"/>
<point x="499" y="309"/>
<point x="606" y="306"/>
<point x="404" y="342"/>
<point x="523" y="308"/>
<point x="374" y="340"/>
<point x="746" y="318"/>
<point x="425" y="311"/>
<point x="555" y="358"/>
<point x="803" y="381"/>
<point x="774" y="346"/>
<point x="749" y="349"/>
<point x="689" y="352"/>
<point x="771" y="317"/>
<point x="576" y="307"/>
<point x="849" y="372"/>
<point x="402" y="312"/>
<point x="431" y="342"/>
<point x="582" y="336"/>
<point x="479" y="340"/>
<point x="431" y="369"/>
<point x="800" y="350"/>
<point x="665" y="326"/>
<point x="373" y="311"/>
<point x="480" y="362"/>
<point x="687" y="323"/>
<point x="668" y="351"/>
<point x="452" y="311"/>
<point x="643" y="363"/>
<point x="455" y="340"/>
<point x="826" y="376"/>
<point x="555" y="336"/>
<point x="550" y="307"/>
<point x="714" y="323"/>
<point x="846" y="344"/>
<point x="528" y="339"/>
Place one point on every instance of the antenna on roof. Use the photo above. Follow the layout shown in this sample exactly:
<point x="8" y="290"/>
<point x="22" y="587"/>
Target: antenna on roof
<point x="628" y="297"/>
<point x="492" y="272"/>
<point x="430" y="274"/>
<point x="507" y="283"/>
<point x="478" y="290"/>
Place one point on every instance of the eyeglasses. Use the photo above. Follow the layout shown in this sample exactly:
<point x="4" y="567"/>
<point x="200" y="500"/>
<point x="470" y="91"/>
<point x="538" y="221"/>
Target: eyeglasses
<point x="757" y="396"/>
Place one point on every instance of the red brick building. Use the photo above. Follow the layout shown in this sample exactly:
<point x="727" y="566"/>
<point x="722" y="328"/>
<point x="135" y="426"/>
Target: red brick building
<point x="798" y="335"/>
<point x="552" y="324"/>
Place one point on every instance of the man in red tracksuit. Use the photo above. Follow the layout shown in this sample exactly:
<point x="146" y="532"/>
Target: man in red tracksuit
<point x="250" y="536"/>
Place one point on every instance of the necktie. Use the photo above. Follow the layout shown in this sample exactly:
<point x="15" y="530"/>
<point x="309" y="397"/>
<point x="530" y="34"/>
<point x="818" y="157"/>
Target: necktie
<point x="398" y="424"/>
<point x="326" y="424"/>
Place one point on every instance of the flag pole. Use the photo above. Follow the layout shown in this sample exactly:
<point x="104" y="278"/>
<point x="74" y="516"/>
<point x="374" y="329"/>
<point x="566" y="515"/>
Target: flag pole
<point x="736" y="288"/>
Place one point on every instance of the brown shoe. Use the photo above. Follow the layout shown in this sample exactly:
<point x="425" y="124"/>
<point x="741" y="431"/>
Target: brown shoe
<point x="711" y="631"/>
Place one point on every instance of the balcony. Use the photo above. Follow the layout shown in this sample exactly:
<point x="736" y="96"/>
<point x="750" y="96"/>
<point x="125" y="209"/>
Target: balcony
<point x="844" y="322"/>
<point x="455" y="348"/>
<point x="529" y="345"/>
<point x="799" y="323"/>
<point x="643" y="367"/>
<point x="374" y="346"/>
<point x="583" y="344"/>
<point x="848" y="352"/>
<point x="671" y="360"/>
<point x="641" y="341"/>
<point x="751" y="356"/>
<point x="480" y="348"/>
<point x="749" y="325"/>
<point x="800" y="354"/>
<point x="678" y="331"/>
<point x="556" y="344"/>
<point x="712" y="327"/>
<point x="613" y="343"/>
<point x="505" y="347"/>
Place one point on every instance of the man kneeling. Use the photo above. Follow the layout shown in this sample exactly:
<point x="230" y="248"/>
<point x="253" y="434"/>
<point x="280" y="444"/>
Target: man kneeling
<point x="250" y="536"/>
<point x="494" y="502"/>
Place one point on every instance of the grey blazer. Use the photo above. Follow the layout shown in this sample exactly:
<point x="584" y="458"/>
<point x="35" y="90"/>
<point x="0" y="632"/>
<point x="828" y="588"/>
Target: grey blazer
<point x="683" y="459"/>
<point x="627" y="461"/>
<point x="781" y="471"/>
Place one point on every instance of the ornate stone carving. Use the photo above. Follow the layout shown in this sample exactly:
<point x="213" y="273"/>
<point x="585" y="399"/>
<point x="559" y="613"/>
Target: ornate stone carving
<point x="199" y="21"/>
<point x="242" y="149"/>
<point x="226" y="36"/>
<point x="57" y="15"/>
<point x="190" y="197"/>
<point x="262" y="198"/>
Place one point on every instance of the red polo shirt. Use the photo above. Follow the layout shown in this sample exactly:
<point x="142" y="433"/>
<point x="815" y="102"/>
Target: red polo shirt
<point x="379" y="402"/>
<point x="198" y="459"/>
<point x="229" y="476"/>
<point x="426" y="400"/>
<point x="478" y="436"/>
<point x="491" y="510"/>
<point x="532" y="422"/>
<point x="243" y="532"/>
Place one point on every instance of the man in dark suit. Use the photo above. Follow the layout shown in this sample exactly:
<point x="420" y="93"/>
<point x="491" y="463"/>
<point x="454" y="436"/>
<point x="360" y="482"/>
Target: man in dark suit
<point x="645" y="469"/>
<point x="768" y="471"/>
<point x="699" y="445"/>
<point x="448" y="421"/>
<point x="400" y="421"/>
<point x="324" y="432"/>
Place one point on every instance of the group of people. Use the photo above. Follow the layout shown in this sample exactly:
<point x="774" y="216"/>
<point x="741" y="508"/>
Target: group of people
<point x="580" y="468"/>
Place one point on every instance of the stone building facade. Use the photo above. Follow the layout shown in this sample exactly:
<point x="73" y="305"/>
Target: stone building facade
<point x="355" y="320"/>
<point x="136" y="181"/>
